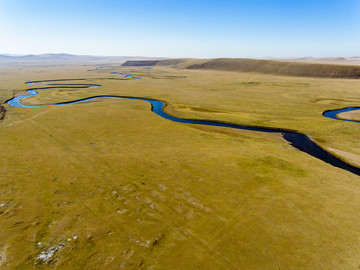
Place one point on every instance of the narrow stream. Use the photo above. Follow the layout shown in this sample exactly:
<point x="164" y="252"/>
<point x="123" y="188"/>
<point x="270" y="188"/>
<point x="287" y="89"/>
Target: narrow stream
<point x="298" y="140"/>
<point x="333" y="113"/>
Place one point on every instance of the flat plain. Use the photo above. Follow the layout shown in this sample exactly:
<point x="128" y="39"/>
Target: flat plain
<point x="109" y="184"/>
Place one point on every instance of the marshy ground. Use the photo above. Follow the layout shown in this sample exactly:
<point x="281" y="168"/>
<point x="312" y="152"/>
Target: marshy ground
<point x="109" y="184"/>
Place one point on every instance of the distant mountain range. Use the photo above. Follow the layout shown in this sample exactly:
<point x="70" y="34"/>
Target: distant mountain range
<point x="9" y="54"/>
<point x="64" y="58"/>
<point x="354" y="60"/>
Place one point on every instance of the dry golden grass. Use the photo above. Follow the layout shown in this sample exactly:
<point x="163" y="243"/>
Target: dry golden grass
<point x="110" y="185"/>
<point x="278" y="67"/>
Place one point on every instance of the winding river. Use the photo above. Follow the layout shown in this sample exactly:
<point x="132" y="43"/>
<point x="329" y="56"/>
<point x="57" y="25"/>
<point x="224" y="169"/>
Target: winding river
<point x="298" y="140"/>
<point x="333" y="113"/>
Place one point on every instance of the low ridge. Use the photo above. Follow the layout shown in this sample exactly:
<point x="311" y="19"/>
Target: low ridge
<point x="261" y="66"/>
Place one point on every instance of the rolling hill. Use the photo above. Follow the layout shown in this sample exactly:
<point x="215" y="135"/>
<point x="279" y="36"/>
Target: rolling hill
<point x="291" y="68"/>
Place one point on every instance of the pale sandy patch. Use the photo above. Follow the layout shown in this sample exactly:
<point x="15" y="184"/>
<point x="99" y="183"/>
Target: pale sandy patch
<point x="347" y="156"/>
<point x="352" y="115"/>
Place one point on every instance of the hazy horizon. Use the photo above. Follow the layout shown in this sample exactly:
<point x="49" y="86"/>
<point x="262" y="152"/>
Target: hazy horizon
<point x="201" y="29"/>
<point x="147" y="56"/>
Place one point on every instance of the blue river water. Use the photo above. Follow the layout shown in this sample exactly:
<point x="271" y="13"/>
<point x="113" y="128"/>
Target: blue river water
<point x="333" y="113"/>
<point x="298" y="140"/>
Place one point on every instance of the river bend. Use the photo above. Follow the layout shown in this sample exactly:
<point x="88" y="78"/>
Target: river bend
<point x="298" y="140"/>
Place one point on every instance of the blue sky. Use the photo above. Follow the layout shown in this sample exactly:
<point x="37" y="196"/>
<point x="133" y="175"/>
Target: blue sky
<point x="197" y="28"/>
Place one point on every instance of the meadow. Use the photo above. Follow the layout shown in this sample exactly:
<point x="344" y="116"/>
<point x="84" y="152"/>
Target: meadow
<point x="109" y="184"/>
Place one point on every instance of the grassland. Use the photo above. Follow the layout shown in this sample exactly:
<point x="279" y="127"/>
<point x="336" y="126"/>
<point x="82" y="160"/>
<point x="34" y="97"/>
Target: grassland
<point x="276" y="67"/>
<point x="109" y="184"/>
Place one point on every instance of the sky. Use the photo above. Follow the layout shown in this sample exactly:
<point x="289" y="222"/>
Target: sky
<point x="187" y="28"/>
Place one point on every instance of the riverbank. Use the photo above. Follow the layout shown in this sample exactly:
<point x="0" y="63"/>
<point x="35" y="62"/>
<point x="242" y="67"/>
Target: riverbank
<point x="298" y="140"/>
